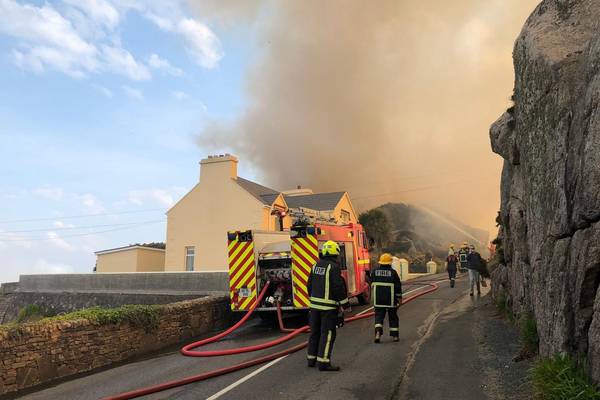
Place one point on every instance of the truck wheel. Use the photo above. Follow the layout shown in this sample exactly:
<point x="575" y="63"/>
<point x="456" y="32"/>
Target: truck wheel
<point x="365" y="297"/>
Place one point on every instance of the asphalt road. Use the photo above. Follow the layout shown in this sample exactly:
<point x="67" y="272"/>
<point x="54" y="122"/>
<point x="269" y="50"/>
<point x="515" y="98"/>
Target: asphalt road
<point x="369" y="371"/>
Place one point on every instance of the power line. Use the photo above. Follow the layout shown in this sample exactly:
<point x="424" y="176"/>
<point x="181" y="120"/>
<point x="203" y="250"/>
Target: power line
<point x="80" y="234"/>
<point x="69" y="228"/>
<point x="9" y="221"/>
<point x="413" y="190"/>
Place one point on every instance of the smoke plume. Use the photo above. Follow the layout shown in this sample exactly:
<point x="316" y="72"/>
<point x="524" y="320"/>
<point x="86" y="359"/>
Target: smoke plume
<point x="390" y="100"/>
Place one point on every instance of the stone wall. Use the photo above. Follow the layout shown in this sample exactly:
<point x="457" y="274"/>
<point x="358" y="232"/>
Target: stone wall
<point x="550" y="192"/>
<point x="36" y="353"/>
<point x="54" y="303"/>
<point x="150" y="282"/>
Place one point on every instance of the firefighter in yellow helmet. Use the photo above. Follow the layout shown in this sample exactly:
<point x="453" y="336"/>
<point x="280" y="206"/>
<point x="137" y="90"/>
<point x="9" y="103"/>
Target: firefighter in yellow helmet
<point x="387" y="296"/>
<point x="328" y="297"/>
<point x="462" y="257"/>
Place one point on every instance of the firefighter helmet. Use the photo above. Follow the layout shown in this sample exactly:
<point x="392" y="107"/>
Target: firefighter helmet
<point x="331" y="248"/>
<point x="385" y="259"/>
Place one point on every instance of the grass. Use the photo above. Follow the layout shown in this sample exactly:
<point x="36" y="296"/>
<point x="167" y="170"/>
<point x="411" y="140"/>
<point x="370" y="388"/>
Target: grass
<point x="143" y="316"/>
<point x="529" y="334"/>
<point x="502" y="305"/>
<point x="527" y="327"/>
<point x="560" y="378"/>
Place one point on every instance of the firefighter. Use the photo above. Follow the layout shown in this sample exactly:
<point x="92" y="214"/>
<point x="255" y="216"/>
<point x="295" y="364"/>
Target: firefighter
<point x="451" y="250"/>
<point x="328" y="298"/>
<point x="451" y="262"/>
<point x="462" y="257"/>
<point x="387" y="295"/>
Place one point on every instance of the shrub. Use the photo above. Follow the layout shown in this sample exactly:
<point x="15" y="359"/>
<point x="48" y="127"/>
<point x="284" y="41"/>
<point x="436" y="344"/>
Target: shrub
<point x="560" y="378"/>
<point x="143" y="316"/>
<point x="31" y="312"/>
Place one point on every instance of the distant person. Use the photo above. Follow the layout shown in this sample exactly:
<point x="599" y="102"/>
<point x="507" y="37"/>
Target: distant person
<point x="451" y="251"/>
<point x="462" y="257"/>
<point x="451" y="262"/>
<point x="474" y="265"/>
<point x="328" y="296"/>
<point x="387" y="295"/>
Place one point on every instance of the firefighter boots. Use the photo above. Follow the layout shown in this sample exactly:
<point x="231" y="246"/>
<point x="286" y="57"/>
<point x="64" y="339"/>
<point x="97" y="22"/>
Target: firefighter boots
<point x="377" y="337"/>
<point x="328" y="367"/>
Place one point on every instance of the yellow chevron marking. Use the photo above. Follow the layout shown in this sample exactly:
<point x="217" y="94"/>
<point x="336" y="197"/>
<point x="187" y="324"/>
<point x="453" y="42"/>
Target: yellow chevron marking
<point x="236" y="251"/>
<point x="300" y="265"/>
<point x="300" y="300"/>
<point x="241" y="258"/>
<point x="244" y="269"/>
<point x="231" y="244"/>
<point x="299" y="283"/>
<point x="246" y="276"/>
<point x="306" y="256"/>
<point x="246" y="302"/>
<point x="298" y="272"/>
<point x="311" y="248"/>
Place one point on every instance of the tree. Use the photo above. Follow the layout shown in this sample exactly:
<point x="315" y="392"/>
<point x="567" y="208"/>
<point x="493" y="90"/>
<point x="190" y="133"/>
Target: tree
<point x="377" y="227"/>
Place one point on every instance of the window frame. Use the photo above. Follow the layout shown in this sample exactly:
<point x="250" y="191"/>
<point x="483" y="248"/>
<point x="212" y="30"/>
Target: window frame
<point x="188" y="256"/>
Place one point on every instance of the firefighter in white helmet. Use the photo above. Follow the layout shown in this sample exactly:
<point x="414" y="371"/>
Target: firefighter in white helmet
<point x="328" y="297"/>
<point x="387" y="296"/>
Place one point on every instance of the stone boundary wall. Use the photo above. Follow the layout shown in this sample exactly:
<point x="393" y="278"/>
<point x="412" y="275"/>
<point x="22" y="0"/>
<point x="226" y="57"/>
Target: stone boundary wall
<point x="8" y="288"/>
<point x="55" y="303"/>
<point x="40" y="352"/>
<point x="153" y="282"/>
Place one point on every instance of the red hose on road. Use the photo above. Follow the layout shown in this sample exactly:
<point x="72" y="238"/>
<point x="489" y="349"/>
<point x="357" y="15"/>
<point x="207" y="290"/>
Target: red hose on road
<point x="187" y="350"/>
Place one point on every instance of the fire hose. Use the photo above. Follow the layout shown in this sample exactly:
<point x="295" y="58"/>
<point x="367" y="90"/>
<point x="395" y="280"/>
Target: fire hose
<point x="188" y="350"/>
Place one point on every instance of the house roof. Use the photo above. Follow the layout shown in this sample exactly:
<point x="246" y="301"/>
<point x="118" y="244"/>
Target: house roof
<point x="269" y="198"/>
<point x="317" y="202"/>
<point x="126" y="248"/>
<point x="262" y="193"/>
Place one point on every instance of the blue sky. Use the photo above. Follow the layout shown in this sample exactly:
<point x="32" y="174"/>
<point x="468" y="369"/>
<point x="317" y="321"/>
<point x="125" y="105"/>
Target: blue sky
<point x="100" y="104"/>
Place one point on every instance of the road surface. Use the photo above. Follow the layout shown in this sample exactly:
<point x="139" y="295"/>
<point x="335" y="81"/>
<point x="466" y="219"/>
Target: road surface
<point x="369" y="371"/>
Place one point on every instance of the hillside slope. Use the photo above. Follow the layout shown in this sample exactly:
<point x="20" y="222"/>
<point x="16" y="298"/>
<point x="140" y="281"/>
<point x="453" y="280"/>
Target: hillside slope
<point x="417" y="230"/>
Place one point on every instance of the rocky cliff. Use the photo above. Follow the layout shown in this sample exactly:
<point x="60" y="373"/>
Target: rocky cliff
<point x="550" y="211"/>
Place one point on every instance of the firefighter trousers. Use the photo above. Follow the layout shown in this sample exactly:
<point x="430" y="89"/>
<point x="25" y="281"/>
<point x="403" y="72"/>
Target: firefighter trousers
<point x="392" y="313"/>
<point x="322" y="335"/>
<point x="452" y="275"/>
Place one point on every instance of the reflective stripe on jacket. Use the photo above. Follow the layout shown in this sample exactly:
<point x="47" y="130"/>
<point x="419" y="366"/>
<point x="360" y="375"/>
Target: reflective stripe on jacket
<point x="386" y="287"/>
<point x="326" y="286"/>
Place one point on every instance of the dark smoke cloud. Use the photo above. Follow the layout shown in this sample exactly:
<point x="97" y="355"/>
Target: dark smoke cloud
<point x="391" y="100"/>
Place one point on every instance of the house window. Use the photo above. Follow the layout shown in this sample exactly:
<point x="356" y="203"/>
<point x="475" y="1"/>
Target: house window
<point x="190" y="253"/>
<point x="345" y="216"/>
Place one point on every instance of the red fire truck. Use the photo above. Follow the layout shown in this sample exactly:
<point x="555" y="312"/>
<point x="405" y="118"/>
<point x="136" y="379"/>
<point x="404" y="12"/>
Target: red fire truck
<point x="285" y="259"/>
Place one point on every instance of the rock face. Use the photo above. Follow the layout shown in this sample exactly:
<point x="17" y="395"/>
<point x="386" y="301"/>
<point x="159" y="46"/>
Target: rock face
<point x="550" y="210"/>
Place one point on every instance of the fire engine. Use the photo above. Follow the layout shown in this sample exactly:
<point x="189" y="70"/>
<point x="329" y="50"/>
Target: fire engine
<point x="285" y="259"/>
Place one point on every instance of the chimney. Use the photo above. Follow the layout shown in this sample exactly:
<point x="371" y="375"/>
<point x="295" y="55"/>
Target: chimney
<point x="218" y="167"/>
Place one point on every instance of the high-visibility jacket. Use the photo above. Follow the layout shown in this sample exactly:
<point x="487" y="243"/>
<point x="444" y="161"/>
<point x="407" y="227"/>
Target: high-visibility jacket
<point x="386" y="287"/>
<point x="326" y="286"/>
<point x="462" y="257"/>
